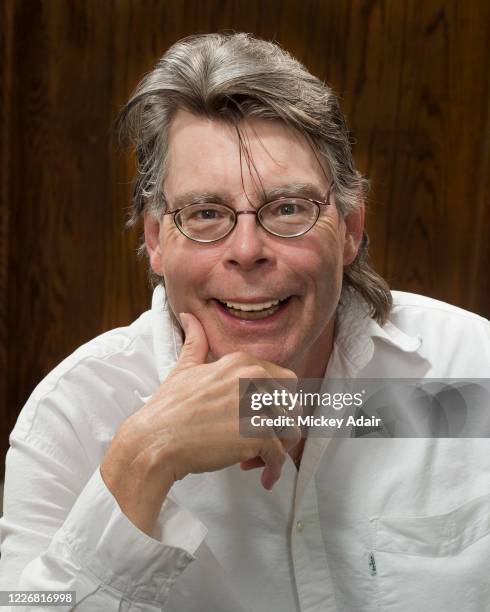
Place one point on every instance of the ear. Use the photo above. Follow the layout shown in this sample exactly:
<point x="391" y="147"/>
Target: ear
<point x="152" y="242"/>
<point x="354" y="227"/>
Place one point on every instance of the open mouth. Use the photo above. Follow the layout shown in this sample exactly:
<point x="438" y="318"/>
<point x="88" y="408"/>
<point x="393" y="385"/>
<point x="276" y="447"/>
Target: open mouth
<point x="253" y="311"/>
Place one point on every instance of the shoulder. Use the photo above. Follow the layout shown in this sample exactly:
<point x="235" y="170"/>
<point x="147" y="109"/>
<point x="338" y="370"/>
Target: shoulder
<point x="454" y="340"/>
<point x="86" y="397"/>
<point x="420" y="315"/>
<point x="123" y="348"/>
<point x="414" y="305"/>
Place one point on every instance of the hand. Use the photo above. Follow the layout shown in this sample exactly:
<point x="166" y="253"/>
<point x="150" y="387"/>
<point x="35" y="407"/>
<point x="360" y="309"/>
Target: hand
<point x="190" y="425"/>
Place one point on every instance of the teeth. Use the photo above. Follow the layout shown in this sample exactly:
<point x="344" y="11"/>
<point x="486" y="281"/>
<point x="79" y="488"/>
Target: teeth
<point x="251" y="307"/>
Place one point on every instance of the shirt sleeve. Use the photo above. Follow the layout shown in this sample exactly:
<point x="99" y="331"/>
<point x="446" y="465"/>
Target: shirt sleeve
<point x="62" y="531"/>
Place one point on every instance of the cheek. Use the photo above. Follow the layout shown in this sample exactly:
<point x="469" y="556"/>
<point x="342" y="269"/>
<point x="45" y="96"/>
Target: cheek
<point x="324" y="261"/>
<point x="186" y="265"/>
<point x="173" y="252"/>
<point x="328" y="276"/>
<point x="174" y="248"/>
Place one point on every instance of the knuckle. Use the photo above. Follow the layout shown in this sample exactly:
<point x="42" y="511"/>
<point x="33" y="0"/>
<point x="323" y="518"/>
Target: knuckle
<point x="234" y="359"/>
<point x="281" y="457"/>
<point x="286" y="373"/>
<point x="296" y="433"/>
<point x="278" y="452"/>
<point x="253" y="371"/>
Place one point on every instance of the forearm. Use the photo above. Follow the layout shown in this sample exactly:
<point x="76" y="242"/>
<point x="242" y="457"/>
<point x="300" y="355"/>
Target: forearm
<point x="96" y="550"/>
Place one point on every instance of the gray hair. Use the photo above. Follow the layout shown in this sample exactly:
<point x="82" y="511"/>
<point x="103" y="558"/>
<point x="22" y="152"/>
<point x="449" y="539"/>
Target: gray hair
<point x="230" y="77"/>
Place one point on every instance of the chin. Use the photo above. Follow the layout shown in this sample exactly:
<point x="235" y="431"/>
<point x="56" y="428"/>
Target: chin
<point x="265" y="353"/>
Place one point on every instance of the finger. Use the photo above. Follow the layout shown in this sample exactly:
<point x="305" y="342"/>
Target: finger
<point x="274" y="457"/>
<point x="195" y="349"/>
<point x="252" y="464"/>
<point x="281" y="374"/>
<point x="291" y="434"/>
<point x="290" y="438"/>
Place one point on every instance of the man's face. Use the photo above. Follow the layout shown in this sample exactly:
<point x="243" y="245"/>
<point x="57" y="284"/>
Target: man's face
<point x="249" y="266"/>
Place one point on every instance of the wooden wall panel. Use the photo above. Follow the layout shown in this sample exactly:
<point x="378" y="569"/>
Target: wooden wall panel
<point x="414" y="80"/>
<point x="6" y="27"/>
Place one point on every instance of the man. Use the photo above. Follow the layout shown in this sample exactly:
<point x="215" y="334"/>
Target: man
<point x="128" y="480"/>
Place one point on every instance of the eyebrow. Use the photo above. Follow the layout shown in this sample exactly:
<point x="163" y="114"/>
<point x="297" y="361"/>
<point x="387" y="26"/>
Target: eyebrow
<point x="301" y="190"/>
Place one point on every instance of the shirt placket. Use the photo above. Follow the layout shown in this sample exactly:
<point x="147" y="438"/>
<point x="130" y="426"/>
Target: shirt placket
<point x="314" y="583"/>
<point x="313" y="579"/>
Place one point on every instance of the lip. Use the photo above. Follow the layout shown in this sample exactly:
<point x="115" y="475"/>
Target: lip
<point x="248" y="323"/>
<point x="252" y="300"/>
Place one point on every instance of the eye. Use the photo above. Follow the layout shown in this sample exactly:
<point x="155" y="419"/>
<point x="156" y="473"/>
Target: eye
<point x="202" y="212"/>
<point x="287" y="208"/>
<point x="207" y="213"/>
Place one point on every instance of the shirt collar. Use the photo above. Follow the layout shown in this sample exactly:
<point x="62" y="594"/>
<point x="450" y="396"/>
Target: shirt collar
<point x="354" y="337"/>
<point x="167" y="338"/>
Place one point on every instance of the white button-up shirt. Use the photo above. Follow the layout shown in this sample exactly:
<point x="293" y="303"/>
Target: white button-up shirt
<point x="365" y="525"/>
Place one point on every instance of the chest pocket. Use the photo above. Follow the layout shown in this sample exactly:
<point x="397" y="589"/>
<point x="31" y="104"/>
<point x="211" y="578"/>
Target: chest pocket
<point x="433" y="563"/>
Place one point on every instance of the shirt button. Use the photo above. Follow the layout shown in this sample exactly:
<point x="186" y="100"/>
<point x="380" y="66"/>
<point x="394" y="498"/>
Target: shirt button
<point x="299" y="526"/>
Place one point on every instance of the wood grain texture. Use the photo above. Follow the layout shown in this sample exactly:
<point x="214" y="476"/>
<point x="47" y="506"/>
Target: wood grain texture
<point x="414" y="81"/>
<point x="6" y="44"/>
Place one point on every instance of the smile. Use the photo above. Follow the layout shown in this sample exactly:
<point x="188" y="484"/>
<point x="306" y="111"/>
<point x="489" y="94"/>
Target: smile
<point x="252" y="311"/>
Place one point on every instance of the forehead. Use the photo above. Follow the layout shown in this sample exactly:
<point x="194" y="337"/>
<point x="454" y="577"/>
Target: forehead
<point x="206" y="155"/>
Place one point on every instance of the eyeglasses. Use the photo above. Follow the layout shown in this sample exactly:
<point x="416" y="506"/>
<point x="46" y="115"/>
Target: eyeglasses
<point x="286" y="217"/>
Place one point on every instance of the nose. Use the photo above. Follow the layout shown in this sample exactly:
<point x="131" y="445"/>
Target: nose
<point x="246" y="246"/>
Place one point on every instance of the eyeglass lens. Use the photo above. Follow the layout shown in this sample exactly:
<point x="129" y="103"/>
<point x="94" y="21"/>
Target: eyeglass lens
<point x="286" y="217"/>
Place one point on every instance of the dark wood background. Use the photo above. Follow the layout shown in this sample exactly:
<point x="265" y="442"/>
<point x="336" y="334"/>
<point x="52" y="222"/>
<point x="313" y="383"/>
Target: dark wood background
<point x="414" y="79"/>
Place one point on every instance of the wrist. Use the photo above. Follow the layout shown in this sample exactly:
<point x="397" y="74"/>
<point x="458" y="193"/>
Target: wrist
<point x="138" y="481"/>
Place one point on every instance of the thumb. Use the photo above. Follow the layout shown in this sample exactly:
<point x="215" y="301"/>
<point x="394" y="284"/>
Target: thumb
<point x="195" y="349"/>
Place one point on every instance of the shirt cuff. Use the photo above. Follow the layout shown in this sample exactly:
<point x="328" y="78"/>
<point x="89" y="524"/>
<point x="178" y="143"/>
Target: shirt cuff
<point x="107" y="544"/>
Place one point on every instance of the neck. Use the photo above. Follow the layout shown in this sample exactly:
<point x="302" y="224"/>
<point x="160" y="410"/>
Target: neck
<point x="313" y="363"/>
